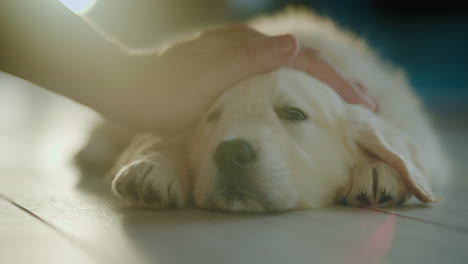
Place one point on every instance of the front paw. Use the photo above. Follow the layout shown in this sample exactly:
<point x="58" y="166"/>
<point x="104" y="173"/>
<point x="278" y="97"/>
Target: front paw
<point x="376" y="184"/>
<point x="149" y="183"/>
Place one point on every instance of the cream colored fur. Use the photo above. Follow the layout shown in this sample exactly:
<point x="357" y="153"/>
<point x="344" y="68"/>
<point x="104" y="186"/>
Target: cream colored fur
<point x="342" y="152"/>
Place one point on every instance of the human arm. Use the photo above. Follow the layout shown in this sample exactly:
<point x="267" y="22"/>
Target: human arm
<point x="46" y="44"/>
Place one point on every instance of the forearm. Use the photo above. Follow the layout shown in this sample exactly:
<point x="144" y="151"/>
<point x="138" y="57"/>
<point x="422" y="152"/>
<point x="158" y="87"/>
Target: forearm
<point x="44" y="43"/>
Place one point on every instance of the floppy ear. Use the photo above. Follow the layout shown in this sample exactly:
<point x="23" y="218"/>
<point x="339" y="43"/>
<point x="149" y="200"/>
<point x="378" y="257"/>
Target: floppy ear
<point x="386" y="142"/>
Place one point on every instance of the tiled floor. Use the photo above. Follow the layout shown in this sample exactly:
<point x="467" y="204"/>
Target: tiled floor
<point x="50" y="214"/>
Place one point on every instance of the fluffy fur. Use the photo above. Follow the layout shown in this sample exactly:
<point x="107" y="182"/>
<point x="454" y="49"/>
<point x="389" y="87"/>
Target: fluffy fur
<point x="338" y="153"/>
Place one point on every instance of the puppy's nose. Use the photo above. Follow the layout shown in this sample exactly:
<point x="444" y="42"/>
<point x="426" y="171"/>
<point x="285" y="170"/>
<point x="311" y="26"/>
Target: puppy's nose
<point x="235" y="152"/>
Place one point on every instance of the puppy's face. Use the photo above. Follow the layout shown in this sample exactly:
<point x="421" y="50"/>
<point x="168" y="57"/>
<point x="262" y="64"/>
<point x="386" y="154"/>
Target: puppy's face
<point x="284" y="140"/>
<point x="270" y="143"/>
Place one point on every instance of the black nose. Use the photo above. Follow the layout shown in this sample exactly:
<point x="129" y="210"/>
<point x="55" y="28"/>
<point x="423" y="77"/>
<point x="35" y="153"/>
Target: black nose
<point x="235" y="152"/>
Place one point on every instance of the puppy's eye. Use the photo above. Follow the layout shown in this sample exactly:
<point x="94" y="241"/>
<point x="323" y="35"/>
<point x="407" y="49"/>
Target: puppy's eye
<point x="213" y="116"/>
<point x="290" y="113"/>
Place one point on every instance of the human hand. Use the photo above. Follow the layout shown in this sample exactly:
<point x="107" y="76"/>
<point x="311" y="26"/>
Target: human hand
<point x="184" y="80"/>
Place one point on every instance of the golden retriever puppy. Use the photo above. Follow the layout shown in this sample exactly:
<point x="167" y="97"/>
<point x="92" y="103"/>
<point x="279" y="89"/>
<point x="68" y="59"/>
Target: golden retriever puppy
<point x="285" y="140"/>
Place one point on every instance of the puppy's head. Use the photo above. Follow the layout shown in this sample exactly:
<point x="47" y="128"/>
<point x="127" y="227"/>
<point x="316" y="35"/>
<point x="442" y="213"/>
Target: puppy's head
<point x="276" y="141"/>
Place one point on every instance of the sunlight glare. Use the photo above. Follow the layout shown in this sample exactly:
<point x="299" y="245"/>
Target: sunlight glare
<point x="79" y="7"/>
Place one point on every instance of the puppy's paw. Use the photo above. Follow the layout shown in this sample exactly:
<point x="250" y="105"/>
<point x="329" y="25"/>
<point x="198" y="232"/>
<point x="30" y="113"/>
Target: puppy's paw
<point x="376" y="184"/>
<point x="151" y="183"/>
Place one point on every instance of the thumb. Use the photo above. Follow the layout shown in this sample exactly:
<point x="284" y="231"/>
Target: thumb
<point x="265" y="54"/>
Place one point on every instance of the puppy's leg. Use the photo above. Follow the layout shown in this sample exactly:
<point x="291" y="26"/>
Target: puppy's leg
<point x="376" y="184"/>
<point x="152" y="174"/>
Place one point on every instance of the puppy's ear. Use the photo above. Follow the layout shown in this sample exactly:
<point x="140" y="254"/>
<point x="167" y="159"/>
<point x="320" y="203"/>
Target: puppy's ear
<point x="385" y="142"/>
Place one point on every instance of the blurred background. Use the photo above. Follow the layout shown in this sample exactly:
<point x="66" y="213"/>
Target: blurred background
<point x="428" y="39"/>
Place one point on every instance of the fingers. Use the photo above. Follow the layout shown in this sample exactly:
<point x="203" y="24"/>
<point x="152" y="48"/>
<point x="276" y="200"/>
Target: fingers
<point x="312" y="62"/>
<point x="255" y="53"/>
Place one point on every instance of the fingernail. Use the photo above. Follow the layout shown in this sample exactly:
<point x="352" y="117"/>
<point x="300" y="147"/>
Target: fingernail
<point x="371" y="103"/>
<point x="285" y="45"/>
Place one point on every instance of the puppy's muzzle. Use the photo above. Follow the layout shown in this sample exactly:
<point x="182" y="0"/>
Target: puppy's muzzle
<point x="234" y="160"/>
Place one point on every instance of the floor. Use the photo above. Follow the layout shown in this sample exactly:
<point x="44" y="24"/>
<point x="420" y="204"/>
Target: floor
<point x="50" y="213"/>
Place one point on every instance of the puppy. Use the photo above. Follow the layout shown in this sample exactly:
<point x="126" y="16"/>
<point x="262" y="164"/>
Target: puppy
<point x="285" y="140"/>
